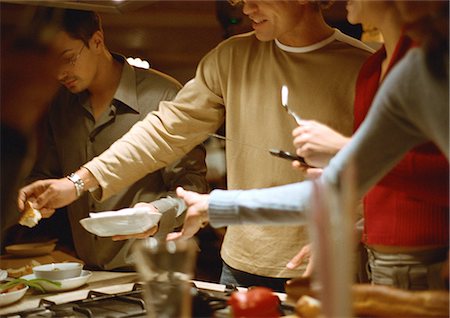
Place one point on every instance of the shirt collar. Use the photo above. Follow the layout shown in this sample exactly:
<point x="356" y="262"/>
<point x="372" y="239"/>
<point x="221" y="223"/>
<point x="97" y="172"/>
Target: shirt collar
<point x="126" y="92"/>
<point x="309" y="48"/>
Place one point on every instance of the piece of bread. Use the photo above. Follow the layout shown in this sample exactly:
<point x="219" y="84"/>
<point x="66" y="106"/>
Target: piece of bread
<point x="384" y="301"/>
<point x="22" y="271"/>
<point x="308" y="307"/>
<point x="30" y="216"/>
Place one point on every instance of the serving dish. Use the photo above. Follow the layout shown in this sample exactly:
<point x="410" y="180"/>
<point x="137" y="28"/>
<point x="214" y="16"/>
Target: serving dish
<point x="121" y="222"/>
<point x="58" y="271"/>
<point x="66" y="284"/>
<point x="12" y="297"/>
<point x="31" y="249"/>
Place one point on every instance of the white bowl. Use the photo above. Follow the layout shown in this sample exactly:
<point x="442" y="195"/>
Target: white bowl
<point x="122" y="222"/>
<point x="58" y="271"/>
<point x="66" y="284"/>
<point x="9" y="298"/>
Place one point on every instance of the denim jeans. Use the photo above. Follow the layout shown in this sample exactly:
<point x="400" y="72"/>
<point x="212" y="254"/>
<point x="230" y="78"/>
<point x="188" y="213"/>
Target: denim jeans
<point x="231" y="276"/>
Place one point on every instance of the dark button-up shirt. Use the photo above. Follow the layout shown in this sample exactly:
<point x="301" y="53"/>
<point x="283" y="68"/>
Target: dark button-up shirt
<point x="75" y="137"/>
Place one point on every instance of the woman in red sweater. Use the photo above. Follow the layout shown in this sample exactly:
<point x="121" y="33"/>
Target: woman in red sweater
<point x="406" y="214"/>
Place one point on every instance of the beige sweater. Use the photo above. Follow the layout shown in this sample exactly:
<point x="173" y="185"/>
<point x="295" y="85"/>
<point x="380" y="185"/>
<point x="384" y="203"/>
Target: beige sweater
<point x="240" y="82"/>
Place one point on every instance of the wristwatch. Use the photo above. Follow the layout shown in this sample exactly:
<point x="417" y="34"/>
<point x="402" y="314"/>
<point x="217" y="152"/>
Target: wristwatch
<point x="78" y="182"/>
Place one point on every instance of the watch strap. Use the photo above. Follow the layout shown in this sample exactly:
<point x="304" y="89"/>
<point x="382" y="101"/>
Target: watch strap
<point x="78" y="183"/>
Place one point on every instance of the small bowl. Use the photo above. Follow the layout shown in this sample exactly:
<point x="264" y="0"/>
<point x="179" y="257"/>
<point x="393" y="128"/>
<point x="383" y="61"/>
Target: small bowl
<point x="58" y="271"/>
<point x="12" y="297"/>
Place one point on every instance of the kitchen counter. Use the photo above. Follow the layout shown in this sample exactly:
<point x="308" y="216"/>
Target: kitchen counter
<point x="107" y="282"/>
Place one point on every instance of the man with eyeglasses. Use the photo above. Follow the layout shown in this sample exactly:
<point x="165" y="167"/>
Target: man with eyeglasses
<point x="102" y="98"/>
<point x="239" y="82"/>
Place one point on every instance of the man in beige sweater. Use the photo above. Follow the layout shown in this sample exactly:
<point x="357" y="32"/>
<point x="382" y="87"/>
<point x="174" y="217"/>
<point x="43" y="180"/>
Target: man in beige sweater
<point x="239" y="83"/>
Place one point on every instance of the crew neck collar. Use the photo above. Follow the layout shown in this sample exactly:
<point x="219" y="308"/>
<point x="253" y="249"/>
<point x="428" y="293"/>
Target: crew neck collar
<point x="309" y="48"/>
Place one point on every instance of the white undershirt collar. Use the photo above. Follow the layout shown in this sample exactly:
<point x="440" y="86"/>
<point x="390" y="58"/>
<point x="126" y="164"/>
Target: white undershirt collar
<point x="309" y="48"/>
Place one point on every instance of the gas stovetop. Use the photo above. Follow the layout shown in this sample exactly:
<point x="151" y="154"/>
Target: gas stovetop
<point x="206" y="303"/>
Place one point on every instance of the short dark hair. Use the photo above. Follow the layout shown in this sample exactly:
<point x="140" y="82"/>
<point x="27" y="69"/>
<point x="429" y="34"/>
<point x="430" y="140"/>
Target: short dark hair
<point x="81" y="24"/>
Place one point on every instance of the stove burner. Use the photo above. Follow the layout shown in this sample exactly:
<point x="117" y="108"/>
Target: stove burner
<point x="206" y="303"/>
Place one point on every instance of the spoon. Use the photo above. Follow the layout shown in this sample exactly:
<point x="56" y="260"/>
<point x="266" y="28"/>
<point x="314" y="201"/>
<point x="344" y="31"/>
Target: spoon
<point x="284" y="103"/>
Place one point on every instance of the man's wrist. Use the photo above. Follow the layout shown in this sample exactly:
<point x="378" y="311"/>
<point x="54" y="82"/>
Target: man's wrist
<point x="91" y="184"/>
<point x="78" y="183"/>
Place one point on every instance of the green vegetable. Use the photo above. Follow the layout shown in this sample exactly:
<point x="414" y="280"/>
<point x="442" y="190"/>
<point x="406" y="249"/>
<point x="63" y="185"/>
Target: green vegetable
<point x="33" y="283"/>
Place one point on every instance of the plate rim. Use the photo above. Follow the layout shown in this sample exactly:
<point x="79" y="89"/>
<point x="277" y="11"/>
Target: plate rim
<point x="83" y="278"/>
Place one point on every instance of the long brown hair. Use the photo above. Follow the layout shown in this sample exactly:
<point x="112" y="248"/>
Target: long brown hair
<point x="432" y="31"/>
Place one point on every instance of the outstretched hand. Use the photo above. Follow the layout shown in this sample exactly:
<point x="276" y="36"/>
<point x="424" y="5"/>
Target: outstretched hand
<point x="196" y="214"/>
<point x="47" y="195"/>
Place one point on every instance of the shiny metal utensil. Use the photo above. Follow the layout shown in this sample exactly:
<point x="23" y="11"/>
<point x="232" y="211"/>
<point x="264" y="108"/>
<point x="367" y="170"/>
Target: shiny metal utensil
<point x="287" y="155"/>
<point x="284" y="103"/>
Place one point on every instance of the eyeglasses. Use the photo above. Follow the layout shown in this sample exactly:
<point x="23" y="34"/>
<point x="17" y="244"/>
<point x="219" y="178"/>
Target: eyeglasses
<point x="71" y="59"/>
<point x="236" y="2"/>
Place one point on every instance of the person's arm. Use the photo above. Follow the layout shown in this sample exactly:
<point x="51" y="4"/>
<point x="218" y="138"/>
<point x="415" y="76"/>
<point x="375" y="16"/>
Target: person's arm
<point x="391" y="128"/>
<point x="190" y="173"/>
<point x="161" y="138"/>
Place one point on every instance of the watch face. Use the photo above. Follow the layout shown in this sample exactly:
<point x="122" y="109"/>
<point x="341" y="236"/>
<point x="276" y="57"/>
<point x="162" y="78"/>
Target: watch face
<point x="78" y="182"/>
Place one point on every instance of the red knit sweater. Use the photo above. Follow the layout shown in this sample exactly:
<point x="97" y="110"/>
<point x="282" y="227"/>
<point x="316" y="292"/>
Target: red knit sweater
<point x="410" y="205"/>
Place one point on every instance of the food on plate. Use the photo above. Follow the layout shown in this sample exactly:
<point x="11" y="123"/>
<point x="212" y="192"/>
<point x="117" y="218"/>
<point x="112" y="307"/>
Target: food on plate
<point x="13" y="294"/>
<point x="33" y="283"/>
<point x="384" y="301"/>
<point x="22" y="271"/>
<point x="30" y="216"/>
<point x="13" y="288"/>
<point x="256" y="302"/>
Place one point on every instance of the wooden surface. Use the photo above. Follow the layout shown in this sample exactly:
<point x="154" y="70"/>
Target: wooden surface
<point x="11" y="261"/>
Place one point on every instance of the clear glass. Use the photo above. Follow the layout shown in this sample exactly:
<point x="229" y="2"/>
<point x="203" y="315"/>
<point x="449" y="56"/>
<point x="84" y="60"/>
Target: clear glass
<point x="166" y="269"/>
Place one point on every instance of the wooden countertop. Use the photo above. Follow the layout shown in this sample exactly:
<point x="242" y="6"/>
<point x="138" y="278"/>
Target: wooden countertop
<point x="106" y="282"/>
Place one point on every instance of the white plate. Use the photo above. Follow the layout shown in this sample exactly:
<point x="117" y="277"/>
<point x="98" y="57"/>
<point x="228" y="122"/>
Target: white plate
<point x="121" y="222"/>
<point x="66" y="284"/>
<point x="12" y="297"/>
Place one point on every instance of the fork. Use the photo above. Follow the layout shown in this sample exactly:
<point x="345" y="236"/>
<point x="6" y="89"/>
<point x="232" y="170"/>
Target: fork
<point x="284" y="103"/>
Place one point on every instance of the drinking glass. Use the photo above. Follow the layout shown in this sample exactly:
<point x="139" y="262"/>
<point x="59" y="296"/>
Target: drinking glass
<point x="166" y="269"/>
